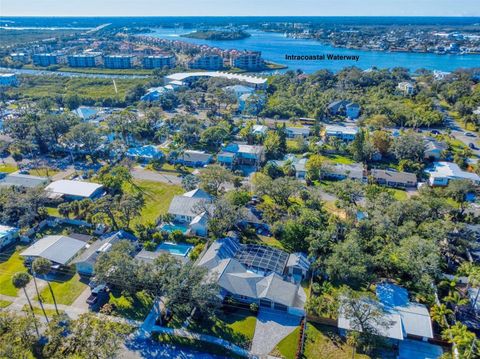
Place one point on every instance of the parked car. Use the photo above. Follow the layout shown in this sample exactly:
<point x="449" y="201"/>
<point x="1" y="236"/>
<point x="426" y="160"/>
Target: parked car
<point x="469" y="134"/>
<point x="472" y="146"/>
<point x="435" y="132"/>
<point x="99" y="296"/>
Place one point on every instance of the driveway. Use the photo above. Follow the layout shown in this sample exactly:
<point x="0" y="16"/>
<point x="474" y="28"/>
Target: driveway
<point x="271" y="328"/>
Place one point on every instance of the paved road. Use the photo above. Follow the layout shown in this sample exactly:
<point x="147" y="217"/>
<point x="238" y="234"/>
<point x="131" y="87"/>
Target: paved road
<point x="271" y="328"/>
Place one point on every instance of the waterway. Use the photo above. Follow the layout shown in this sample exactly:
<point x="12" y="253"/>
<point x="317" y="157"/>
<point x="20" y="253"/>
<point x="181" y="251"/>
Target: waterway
<point x="274" y="47"/>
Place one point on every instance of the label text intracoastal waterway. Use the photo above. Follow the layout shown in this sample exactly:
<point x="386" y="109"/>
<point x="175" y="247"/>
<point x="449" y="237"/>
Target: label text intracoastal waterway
<point x="322" y="57"/>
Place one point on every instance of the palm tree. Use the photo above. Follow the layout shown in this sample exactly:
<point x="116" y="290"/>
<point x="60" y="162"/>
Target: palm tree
<point x="20" y="280"/>
<point x="456" y="300"/>
<point x="38" y="294"/>
<point x="439" y="314"/>
<point x="42" y="267"/>
<point x="352" y="339"/>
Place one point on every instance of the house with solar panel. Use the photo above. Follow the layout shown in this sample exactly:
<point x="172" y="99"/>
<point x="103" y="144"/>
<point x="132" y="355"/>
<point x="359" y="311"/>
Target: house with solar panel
<point x="252" y="273"/>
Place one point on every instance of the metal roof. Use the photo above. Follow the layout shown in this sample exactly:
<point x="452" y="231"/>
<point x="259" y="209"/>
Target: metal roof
<point x="73" y="188"/>
<point x="58" y="249"/>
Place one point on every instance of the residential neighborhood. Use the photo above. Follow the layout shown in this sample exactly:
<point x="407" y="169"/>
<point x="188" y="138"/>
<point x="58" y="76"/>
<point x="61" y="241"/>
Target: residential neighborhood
<point x="167" y="196"/>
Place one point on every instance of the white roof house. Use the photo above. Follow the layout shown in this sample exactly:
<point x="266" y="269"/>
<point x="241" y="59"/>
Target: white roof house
<point x="442" y="172"/>
<point x="74" y="189"/>
<point x="257" y="82"/>
<point x="58" y="249"/>
<point x="259" y="129"/>
<point x="342" y="132"/>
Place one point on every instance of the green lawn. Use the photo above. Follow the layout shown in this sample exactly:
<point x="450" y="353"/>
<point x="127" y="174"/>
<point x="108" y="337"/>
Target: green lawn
<point x="53" y="211"/>
<point x="399" y="194"/>
<point x="237" y="327"/>
<point x="201" y="347"/>
<point x="344" y="160"/>
<point x="271" y="241"/>
<point x="10" y="263"/>
<point x="323" y="342"/>
<point x="66" y="289"/>
<point x="4" y="303"/>
<point x="7" y="167"/>
<point x="157" y="199"/>
<point x="39" y="312"/>
<point x="136" y="307"/>
<point x="287" y="347"/>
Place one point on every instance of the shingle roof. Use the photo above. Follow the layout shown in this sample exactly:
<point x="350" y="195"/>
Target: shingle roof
<point x="394" y="176"/>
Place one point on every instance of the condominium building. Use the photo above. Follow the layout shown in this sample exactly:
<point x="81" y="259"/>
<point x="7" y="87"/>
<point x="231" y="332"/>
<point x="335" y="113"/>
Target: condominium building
<point x="119" y="61"/>
<point x="8" y="80"/>
<point x="206" y="62"/>
<point x="249" y="60"/>
<point x="159" y="61"/>
<point x="85" y="60"/>
<point x="20" y="57"/>
<point x="48" y="59"/>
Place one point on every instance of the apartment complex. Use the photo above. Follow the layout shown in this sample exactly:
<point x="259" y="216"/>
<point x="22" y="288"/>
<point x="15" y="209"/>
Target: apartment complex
<point x="249" y="60"/>
<point x="206" y="62"/>
<point x="8" y="80"/>
<point x="119" y="61"/>
<point x="159" y="61"/>
<point x="48" y="59"/>
<point x="20" y="57"/>
<point x="84" y="60"/>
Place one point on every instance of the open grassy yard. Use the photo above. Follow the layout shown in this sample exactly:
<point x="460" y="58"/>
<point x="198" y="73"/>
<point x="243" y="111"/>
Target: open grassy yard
<point x="39" y="312"/>
<point x="287" y="347"/>
<point x="157" y="199"/>
<point x="10" y="263"/>
<point x="399" y="194"/>
<point x="53" y="211"/>
<point x="340" y="159"/>
<point x="7" y="168"/>
<point x="4" y="303"/>
<point x="271" y="241"/>
<point x="136" y="307"/>
<point x="43" y="172"/>
<point x="237" y="327"/>
<point x="323" y="342"/>
<point x="66" y="289"/>
<point x="202" y="347"/>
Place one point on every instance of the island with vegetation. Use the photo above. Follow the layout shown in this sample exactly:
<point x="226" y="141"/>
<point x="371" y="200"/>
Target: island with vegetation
<point x="218" y="35"/>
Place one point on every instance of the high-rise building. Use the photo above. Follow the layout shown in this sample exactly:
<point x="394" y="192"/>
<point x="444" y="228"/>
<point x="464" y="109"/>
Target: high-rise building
<point x="20" y="57"/>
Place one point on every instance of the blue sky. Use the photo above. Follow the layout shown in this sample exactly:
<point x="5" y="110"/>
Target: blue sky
<point x="239" y="7"/>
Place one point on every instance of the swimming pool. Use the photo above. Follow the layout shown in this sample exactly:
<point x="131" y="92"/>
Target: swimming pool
<point x="175" y="249"/>
<point x="170" y="227"/>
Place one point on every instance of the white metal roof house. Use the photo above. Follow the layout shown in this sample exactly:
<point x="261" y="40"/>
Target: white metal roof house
<point x="8" y="235"/>
<point x="341" y="171"/>
<point x="442" y="172"/>
<point x="74" y="190"/>
<point x="58" y="249"/>
<point x="21" y="180"/>
<point x="297" y="132"/>
<point x="345" y="133"/>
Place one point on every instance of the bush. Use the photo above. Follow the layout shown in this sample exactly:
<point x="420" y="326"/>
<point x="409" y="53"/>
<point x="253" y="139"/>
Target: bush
<point x="195" y="252"/>
<point x="176" y="236"/>
<point x="254" y="308"/>
<point x="149" y="245"/>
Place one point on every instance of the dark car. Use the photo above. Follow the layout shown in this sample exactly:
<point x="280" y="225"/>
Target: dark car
<point x="472" y="146"/>
<point x="435" y="132"/>
<point x="99" y="296"/>
<point x="469" y="134"/>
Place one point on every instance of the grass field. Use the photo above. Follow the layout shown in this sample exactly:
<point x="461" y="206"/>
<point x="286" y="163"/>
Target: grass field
<point x="39" y="312"/>
<point x="65" y="290"/>
<point x="7" y="168"/>
<point x="96" y="89"/>
<point x="10" y="263"/>
<point x="157" y="199"/>
<point x="136" y="307"/>
<point x="323" y="342"/>
<point x="98" y="70"/>
<point x="398" y="194"/>
<point x="287" y="347"/>
<point x="43" y="172"/>
<point x="13" y="37"/>
<point x="271" y="241"/>
<point x="344" y="160"/>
